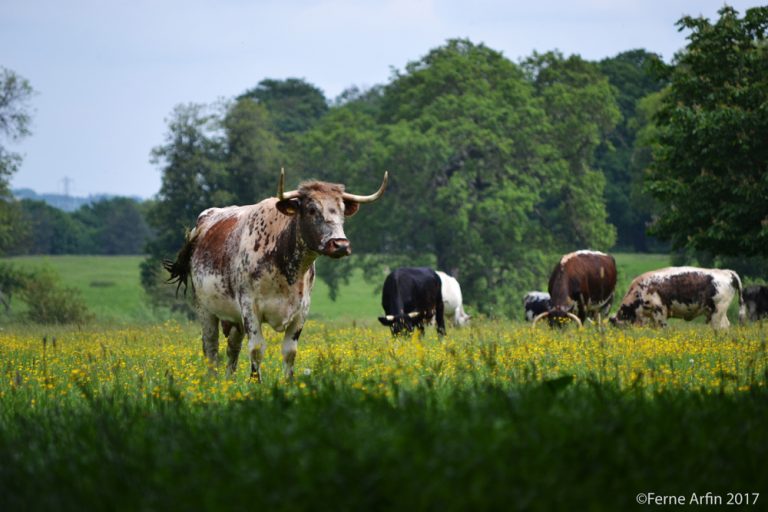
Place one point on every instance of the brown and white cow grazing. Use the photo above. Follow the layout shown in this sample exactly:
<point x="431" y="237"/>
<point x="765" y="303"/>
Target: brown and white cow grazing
<point x="584" y="280"/>
<point x="254" y="265"/>
<point x="680" y="292"/>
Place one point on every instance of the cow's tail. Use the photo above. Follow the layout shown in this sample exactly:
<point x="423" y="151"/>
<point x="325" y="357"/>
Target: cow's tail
<point x="180" y="268"/>
<point x="736" y="283"/>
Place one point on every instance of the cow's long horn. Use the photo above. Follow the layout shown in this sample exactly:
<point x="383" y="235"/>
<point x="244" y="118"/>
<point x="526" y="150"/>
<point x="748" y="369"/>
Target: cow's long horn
<point x="539" y="317"/>
<point x="280" y="193"/>
<point x="371" y="198"/>
<point x="575" y="319"/>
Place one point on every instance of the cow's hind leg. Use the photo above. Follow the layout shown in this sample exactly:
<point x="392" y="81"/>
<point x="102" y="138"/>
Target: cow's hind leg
<point x="210" y="324"/>
<point x="234" y="334"/>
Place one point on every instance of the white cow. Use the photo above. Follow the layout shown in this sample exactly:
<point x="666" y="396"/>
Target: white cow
<point x="454" y="309"/>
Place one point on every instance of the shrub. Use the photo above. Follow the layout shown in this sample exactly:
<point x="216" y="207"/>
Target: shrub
<point x="50" y="302"/>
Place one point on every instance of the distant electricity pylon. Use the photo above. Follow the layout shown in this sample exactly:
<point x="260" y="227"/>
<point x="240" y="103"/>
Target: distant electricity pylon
<point x="67" y="181"/>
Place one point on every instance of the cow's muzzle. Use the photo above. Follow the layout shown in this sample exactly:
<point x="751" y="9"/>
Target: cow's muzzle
<point x="338" y="248"/>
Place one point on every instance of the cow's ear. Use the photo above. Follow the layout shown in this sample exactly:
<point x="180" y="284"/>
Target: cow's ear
<point x="350" y="208"/>
<point x="288" y="206"/>
<point x="385" y="321"/>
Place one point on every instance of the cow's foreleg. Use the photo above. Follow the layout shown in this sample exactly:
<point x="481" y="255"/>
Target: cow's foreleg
<point x="290" y="347"/>
<point x="257" y="345"/>
<point x="210" y="324"/>
<point x="440" y="317"/>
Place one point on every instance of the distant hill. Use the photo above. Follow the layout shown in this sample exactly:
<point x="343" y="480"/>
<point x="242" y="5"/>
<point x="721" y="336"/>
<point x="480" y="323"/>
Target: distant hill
<point x="62" y="202"/>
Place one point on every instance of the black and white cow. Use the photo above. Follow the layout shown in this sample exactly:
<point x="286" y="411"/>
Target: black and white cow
<point x="536" y="303"/>
<point x="412" y="297"/>
<point x="680" y="292"/>
<point x="755" y="305"/>
<point x="255" y="265"/>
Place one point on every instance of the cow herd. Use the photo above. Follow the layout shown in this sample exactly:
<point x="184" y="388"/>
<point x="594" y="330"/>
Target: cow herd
<point x="254" y="265"/>
<point x="584" y="281"/>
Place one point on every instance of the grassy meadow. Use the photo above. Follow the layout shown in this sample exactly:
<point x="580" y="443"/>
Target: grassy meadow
<point x="493" y="417"/>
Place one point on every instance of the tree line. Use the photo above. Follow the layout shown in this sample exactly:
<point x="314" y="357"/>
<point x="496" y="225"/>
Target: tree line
<point x="496" y="166"/>
<point x="110" y="226"/>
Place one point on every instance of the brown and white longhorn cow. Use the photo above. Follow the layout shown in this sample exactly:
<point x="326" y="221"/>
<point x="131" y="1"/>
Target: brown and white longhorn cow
<point x="254" y="265"/>
<point x="584" y="280"/>
<point x="680" y="292"/>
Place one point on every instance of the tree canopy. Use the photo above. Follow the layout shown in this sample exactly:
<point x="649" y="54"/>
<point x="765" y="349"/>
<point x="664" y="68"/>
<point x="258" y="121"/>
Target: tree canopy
<point x="635" y="75"/>
<point x="710" y="173"/>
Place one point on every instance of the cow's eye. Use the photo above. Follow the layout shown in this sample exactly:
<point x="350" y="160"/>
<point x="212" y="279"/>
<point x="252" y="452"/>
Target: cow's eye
<point x="312" y="210"/>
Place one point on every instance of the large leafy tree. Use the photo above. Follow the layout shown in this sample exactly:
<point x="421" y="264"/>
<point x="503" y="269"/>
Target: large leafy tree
<point x="476" y="152"/>
<point x="470" y="154"/>
<point x="15" y="117"/>
<point x="635" y="75"/>
<point x="710" y="174"/>
<point x="581" y="106"/>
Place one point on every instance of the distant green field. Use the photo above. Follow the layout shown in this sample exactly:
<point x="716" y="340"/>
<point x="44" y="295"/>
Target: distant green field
<point x="111" y="289"/>
<point x="631" y="265"/>
<point x="109" y="284"/>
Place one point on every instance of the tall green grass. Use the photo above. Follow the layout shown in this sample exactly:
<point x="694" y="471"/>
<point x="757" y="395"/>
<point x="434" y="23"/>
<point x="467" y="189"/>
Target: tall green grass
<point x="534" y="446"/>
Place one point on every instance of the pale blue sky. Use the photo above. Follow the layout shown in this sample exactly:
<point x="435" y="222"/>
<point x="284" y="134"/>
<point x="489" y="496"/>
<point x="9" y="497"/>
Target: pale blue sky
<point x="108" y="73"/>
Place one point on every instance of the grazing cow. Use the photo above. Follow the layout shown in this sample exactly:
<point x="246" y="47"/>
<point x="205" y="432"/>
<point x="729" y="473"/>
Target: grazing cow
<point x="452" y="300"/>
<point x="755" y="304"/>
<point x="536" y="303"/>
<point x="680" y="292"/>
<point x="410" y="298"/>
<point x="584" y="280"/>
<point x="254" y="265"/>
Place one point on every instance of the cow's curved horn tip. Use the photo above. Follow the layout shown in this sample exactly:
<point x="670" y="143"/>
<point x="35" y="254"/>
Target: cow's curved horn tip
<point x="575" y="319"/>
<point x="538" y="317"/>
